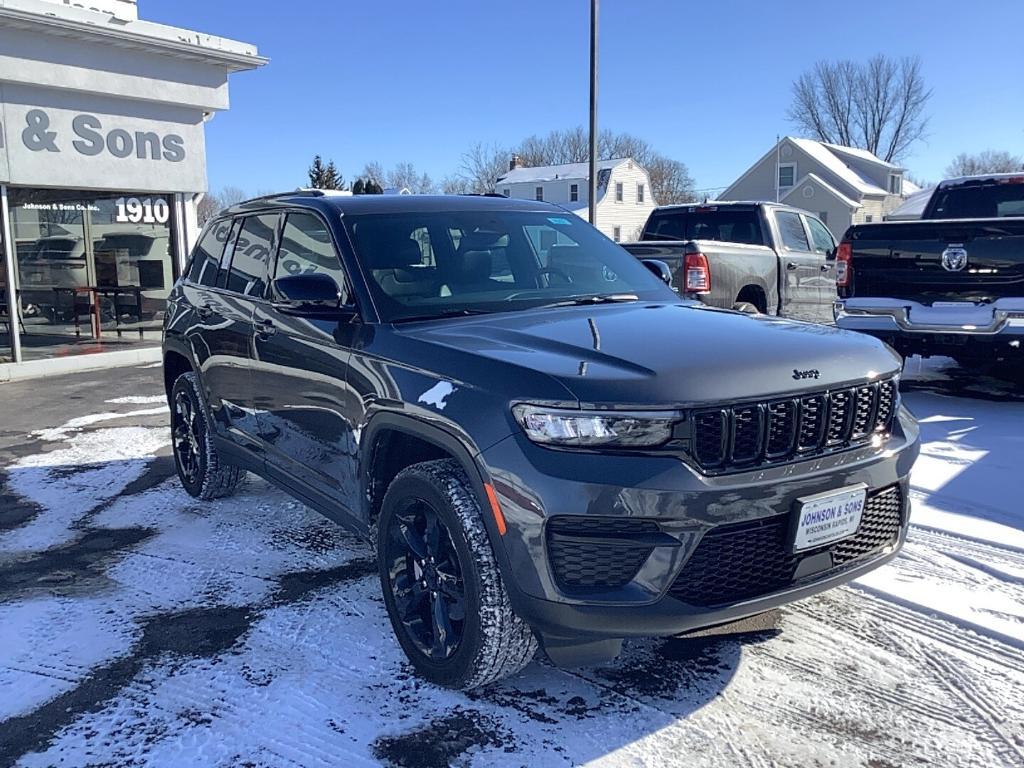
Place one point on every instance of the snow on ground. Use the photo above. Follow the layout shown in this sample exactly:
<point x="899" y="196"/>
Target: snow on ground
<point x="141" y="627"/>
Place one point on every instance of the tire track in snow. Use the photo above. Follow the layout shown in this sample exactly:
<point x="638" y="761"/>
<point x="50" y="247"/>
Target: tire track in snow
<point x="887" y="617"/>
<point x="963" y="688"/>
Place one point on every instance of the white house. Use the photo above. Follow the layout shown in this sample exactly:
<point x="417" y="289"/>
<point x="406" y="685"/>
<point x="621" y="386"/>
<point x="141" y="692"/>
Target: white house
<point x="624" y="199"/>
<point x="841" y="185"/>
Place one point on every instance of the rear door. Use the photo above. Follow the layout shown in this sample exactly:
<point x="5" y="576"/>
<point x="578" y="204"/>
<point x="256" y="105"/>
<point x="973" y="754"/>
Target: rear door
<point x="823" y="244"/>
<point x="225" y="331"/>
<point x="300" y="370"/>
<point x="799" y="268"/>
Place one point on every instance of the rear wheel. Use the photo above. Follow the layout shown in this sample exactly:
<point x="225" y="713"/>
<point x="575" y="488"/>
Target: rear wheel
<point x="442" y="588"/>
<point x="747" y="307"/>
<point x="200" y="467"/>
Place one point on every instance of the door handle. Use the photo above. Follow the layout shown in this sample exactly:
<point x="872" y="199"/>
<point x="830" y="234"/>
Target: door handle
<point x="205" y="311"/>
<point x="791" y="266"/>
<point x="265" y="329"/>
<point x="825" y="267"/>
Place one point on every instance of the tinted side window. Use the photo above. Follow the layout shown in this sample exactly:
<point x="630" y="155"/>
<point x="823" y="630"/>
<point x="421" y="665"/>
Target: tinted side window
<point x="823" y="242"/>
<point x="792" y="231"/>
<point x="253" y="248"/>
<point x="206" y="257"/>
<point x="306" y="246"/>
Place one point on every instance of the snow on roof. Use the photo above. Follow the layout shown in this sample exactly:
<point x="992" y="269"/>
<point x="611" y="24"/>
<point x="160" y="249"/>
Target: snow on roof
<point x="834" y="164"/>
<point x="912" y="207"/>
<point x="863" y="154"/>
<point x="909" y="188"/>
<point x="825" y="185"/>
<point x="552" y="172"/>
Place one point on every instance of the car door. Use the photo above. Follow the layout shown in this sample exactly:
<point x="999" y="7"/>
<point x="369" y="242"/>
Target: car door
<point x="300" y="370"/>
<point x="823" y="244"/>
<point x="799" y="267"/>
<point x="219" y="328"/>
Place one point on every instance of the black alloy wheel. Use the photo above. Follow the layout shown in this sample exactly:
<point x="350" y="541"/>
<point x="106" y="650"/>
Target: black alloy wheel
<point x="426" y="579"/>
<point x="185" y="429"/>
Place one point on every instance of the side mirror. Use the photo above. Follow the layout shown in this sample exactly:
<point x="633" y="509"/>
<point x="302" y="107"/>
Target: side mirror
<point x="831" y="255"/>
<point x="660" y="270"/>
<point x="313" y="295"/>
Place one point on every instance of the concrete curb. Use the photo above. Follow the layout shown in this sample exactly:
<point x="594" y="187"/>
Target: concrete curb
<point x="35" y="369"/>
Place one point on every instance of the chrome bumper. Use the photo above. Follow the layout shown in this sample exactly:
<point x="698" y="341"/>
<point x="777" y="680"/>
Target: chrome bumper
<point x="1001" y="318"/>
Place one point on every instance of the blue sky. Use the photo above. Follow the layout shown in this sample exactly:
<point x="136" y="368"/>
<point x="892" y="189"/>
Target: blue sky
<point x="705" y="82"/>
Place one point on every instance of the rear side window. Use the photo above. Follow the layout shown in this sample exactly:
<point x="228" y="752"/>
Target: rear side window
<point x="247" y="273"/>
<point x="823" y="242"/>
<point x="791" y="229"/>
<point x="729" y="225"/>
<point x="206" y="257"/>
<point x="307" y="247"/>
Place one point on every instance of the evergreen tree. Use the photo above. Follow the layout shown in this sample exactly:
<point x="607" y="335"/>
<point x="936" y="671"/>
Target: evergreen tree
<point x="373" y="188"/>
<point x="332" y="177"/>
<point x="317" y="172"/>
<point x="358" y="187"/>
<point x="325" y="176"/>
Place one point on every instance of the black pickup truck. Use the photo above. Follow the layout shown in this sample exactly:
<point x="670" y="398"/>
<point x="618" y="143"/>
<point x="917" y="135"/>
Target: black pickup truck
<point x="752" y="256"/>
<point x="949" y="284"/>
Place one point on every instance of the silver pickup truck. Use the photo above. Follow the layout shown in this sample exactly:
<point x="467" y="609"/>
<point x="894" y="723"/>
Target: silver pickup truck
<point x="753" y="256"/>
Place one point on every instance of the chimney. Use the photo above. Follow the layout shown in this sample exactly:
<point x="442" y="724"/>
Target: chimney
<point x="514" y="163"/>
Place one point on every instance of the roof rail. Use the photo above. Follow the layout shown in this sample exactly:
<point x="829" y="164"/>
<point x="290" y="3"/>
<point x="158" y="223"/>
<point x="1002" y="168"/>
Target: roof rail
<point x="482" y="194"/>
<point x="301" y="192"/>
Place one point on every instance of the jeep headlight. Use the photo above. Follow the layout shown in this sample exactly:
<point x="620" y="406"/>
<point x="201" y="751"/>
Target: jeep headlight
<point x="585" y="429"/>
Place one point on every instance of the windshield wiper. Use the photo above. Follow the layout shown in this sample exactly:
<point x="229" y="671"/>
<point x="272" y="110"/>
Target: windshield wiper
<point x="600" y="298"/>
<point x="441" y="315"/>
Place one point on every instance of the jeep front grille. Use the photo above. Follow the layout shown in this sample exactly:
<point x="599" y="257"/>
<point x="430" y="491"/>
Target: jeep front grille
<point x="744" y="436"/>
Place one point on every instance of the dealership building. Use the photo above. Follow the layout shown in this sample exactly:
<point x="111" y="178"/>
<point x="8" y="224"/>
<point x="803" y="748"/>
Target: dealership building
<point x="102" y="164"/>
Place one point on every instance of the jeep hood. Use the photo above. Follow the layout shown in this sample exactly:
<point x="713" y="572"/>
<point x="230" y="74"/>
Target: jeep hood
<point x="668" y="354"/>
<point x="643" y="354"/>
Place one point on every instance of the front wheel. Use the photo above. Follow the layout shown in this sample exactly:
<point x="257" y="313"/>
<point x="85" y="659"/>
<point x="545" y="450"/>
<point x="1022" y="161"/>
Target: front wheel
<point x="442" y="588"/>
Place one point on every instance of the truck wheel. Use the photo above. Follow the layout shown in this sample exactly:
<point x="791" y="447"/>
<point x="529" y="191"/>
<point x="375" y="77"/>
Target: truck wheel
<point x="202" y="471"/>
<point x="442" y="588"/>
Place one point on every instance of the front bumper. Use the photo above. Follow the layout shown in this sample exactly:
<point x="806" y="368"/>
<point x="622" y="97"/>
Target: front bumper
<point x="985" y="329"/>
<point x="536" y="486"/>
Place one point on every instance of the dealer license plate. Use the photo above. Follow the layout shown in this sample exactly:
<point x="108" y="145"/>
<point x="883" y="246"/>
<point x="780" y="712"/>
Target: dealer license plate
<point x="827" y="517"/>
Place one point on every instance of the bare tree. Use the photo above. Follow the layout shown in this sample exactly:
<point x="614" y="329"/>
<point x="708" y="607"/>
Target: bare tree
<point x="207" y="208"/>
<point x="671" y="181"/>
<point x="988" y="161"/>
<point x="481" y="166"/>
<point x="230" y="196"/>
<point x="374" y="171"/>
<point x="455" y="185"/>
<point x="405" y="176"/>
<point x="878" y="105"/>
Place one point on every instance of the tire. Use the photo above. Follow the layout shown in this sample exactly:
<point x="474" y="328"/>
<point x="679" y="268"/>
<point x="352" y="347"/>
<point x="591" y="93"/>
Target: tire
<point x="488" y="640"/>
<point x="202" y="471"/>
<point x="746" y="307"/>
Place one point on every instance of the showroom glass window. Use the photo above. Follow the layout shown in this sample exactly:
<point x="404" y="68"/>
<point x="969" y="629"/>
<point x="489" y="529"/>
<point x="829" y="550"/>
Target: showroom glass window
<point x="89" y="262"/>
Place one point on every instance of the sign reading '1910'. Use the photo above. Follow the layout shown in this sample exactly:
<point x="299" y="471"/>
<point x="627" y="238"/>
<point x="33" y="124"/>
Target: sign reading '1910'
<point x="91" y="139"/>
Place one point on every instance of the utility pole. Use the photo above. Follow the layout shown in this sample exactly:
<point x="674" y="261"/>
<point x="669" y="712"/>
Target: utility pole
<point x="592" y="192"/>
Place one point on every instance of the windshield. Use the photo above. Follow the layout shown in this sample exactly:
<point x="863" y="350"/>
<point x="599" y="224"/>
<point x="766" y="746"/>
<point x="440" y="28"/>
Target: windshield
<point x="725" y="224"/>
<point x="988" y="200"/>
<point x="433" y="264"/>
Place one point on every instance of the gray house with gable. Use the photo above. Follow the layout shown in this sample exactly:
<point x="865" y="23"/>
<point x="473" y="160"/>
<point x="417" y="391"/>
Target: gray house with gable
<point x="840" y="185"/>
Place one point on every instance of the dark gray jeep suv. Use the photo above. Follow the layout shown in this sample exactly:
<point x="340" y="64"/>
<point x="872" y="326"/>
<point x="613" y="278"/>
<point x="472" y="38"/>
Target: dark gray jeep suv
<point x="544" y="442"/>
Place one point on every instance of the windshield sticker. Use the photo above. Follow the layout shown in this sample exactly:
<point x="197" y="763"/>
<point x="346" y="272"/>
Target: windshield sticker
<point x="559" y="220"/>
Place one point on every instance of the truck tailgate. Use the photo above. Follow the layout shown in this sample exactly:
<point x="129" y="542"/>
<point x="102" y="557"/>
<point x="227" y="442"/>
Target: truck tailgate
<point x="929" y="261"/>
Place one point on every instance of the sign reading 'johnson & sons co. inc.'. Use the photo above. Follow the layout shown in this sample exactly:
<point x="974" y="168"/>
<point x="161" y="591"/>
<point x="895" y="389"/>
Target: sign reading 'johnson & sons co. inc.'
<point x="58" y="147"/>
